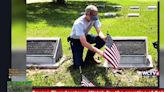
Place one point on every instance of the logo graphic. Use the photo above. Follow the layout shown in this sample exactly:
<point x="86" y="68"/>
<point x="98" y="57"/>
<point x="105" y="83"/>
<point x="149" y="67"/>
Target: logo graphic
<point x="150" y="73"/>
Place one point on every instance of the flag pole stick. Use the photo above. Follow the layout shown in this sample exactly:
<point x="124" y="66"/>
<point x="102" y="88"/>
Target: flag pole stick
<point x="80" y="69"/>
<point x="80" y="72"/>
<point x="106" y="69"/>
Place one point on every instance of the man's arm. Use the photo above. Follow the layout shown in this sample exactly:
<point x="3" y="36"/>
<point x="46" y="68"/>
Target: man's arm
<point x="89" y="46"/>
<point x="100" y="34"/>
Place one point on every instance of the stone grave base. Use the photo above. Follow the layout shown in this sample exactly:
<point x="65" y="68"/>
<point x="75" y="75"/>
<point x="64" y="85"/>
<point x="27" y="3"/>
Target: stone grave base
<point x="149" y="65"/>
<point x="133" y="51"/>
<point x="48" y="65"/>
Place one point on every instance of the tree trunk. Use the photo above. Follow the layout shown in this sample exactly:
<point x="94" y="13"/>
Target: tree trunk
<point x="61" y="2"/>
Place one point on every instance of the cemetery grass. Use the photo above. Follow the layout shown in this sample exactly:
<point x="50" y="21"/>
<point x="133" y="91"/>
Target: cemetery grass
<point x="52" y="20"/>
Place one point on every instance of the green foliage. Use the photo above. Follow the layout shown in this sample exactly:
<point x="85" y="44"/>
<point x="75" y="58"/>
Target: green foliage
<point x="52" y="20"/>
<point x="13" y="86"/>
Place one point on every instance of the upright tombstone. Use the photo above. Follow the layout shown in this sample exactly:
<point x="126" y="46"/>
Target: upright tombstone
<point x="133" y="51"/>
<point x="134" y="8"/>
<point x="133" y="14"/>
<point x="43" y="52"/>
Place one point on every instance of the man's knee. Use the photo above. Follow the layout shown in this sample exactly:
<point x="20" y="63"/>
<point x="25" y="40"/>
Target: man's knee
<point x="100" y="42"/>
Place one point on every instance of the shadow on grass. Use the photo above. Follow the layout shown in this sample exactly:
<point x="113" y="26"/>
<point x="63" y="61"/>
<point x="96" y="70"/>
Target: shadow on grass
<point x="93" y="74"/>
<point x="61" y="15"/>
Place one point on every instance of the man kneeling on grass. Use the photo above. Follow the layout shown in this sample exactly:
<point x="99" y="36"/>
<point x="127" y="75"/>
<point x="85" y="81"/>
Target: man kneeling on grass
<point x="79" y="37"/>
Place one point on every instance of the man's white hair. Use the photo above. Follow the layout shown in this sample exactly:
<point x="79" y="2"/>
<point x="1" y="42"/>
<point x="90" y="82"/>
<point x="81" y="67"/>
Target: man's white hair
<point x="90" y="8"/>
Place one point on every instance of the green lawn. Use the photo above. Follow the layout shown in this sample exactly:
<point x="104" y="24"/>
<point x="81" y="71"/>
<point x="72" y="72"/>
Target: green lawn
<point x="52" y="20"/>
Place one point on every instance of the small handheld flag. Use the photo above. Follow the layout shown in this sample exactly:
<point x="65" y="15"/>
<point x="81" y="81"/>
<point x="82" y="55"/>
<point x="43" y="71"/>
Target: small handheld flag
<point x="111" y="53"/>
<point x="85" y="82"/>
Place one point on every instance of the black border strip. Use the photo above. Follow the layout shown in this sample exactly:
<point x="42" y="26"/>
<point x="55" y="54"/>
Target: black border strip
<point x="5" y="45"/>
<point x="158" y="35"/>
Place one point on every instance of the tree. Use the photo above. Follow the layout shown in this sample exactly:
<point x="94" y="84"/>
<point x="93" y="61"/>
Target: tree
<point x="61" y="1"/>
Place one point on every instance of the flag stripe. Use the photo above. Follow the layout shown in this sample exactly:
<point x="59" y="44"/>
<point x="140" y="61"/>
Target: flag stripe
<point x="112" y="62"/>
<point x="114" y="50"/>
<point x="117" y="51"/>
<point x="108" y="59"/>
<point x="114" y="66"/>
<point x="91" y="84"/>
<point x="85" y="82"/>
<point x="111" y="53"/>
<point x="114" y="54"/>
<point x="111" y="56"/>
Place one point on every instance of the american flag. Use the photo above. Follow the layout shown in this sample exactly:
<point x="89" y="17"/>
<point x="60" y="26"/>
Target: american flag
<point x="86" y="83"/>
<point x="111" y="53"/>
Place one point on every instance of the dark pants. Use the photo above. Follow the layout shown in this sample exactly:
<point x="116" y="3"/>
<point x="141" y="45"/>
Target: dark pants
<point x="77" y="49"/>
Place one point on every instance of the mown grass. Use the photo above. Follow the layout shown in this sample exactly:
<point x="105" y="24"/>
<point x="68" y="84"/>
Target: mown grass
<point x="52" y="20"/>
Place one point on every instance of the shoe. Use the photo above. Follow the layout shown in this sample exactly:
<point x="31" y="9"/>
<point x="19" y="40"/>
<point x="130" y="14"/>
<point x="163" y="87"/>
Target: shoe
<point x="96" y="61"/>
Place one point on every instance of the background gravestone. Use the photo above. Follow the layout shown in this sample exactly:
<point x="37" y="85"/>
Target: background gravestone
<point x="43" y="51"/>
<point x="110" y="15"/>
<point x="101" y="7"/>
<point x="133" y="14"/>
<point x="134" y="8"/>
<point x="117" y="7"/>
<point x="152" y="7"/>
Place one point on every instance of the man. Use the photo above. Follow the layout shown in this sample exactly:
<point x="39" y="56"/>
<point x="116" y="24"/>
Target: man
<point x="79" y="37"/>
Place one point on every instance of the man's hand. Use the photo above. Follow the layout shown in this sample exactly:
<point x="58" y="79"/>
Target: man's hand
<point x="100" y="52"/>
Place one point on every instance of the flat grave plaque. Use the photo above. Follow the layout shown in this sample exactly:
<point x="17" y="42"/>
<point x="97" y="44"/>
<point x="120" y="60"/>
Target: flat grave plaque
<point x="134" y="7"/>
<point x="133" y="15"/>
<point x="152" y="7"/>
<point x="110" y="15"/>
<point x="117" y="7"/>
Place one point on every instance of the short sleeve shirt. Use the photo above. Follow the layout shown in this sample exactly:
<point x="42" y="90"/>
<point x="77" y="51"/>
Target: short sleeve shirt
<point x="81" y="27"/>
